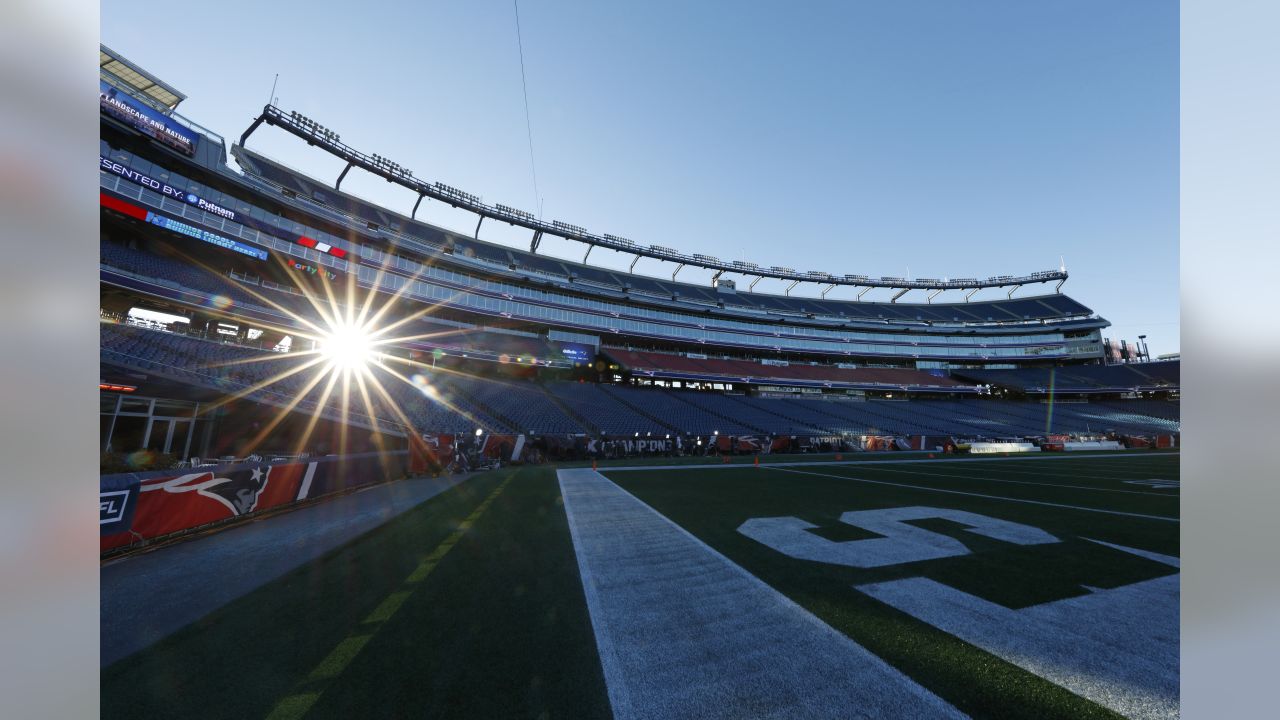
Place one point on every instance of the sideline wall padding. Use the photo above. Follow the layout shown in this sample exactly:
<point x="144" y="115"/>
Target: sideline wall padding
<point x="136" y="507"/>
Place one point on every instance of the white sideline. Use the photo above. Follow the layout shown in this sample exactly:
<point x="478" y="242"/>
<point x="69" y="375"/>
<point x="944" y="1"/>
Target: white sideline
<point x="1033" y="483"/>
<point x="682" y="631"/>
<point x="926" y="488"/>
<point x="918" y="459"/>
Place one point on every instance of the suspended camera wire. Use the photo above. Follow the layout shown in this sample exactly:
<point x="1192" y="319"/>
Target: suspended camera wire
<point x="528" y="126"/>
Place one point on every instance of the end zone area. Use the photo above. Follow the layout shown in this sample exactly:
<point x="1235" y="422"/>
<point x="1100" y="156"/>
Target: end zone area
<point x="1031" y="588"/>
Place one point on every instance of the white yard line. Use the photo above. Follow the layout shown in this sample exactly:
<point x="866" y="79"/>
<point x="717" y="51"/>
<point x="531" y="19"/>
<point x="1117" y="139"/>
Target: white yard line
<point x="1088" y="474"/>
<point x="979" y="478"/>
<point x="1117" y="647"/>
<point x="745" y="460"/>
<point x="926" y="488"/>
<point x="683" y="632"/>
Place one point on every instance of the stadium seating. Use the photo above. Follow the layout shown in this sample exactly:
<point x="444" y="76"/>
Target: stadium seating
<point x="466" y="403"/>
<point x="669" y="365"/>
<point x="523" y="407"/>
<point x="1048" y="307"/>
<point x="234" y="369"/>
<point x="1082" y="378"/>
<point x="677" y="412"/>
<point x="175" y="272"/>
<point x="608" y="413"/>
<point x="461" y="403"/>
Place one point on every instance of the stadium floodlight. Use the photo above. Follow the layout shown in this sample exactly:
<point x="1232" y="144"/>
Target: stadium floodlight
<point x="782" y="270"/>
<point x="508" y="210"/>
<point x="619" y="240"/>
<point x="479" y="432"/>
<point x="567" y="227"/>
<point x="706" y="258"/>
<point x="456" y="193"/>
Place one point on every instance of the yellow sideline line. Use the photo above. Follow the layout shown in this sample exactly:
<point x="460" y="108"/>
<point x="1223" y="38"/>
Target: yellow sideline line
<point x="299" y="703"/>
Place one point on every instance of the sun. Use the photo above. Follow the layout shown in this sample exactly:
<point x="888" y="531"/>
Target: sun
<point x="347" y="347"/>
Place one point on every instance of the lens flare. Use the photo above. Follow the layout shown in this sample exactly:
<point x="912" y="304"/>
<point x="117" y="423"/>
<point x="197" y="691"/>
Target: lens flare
<point x="221" y="302"/>
<point x="347" y="347"/>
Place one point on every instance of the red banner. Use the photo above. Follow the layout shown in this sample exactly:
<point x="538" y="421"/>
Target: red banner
<point x="174" y="503"/>
<point x="430" y="453"/>
<point x="499" y="447"/>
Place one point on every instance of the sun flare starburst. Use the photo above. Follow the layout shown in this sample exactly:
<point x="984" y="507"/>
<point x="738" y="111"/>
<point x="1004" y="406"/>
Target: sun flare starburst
<point x="339" y="364"/>
<point x="347" y="347"/>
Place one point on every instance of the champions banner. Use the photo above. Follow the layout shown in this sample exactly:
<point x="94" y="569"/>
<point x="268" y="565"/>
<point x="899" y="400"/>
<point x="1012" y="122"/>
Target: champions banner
<point x="135" y="507"/>
<point x="147" y="120"/>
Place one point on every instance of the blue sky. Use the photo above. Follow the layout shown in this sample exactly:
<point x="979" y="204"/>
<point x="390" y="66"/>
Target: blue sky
<point x="956" y="139"/>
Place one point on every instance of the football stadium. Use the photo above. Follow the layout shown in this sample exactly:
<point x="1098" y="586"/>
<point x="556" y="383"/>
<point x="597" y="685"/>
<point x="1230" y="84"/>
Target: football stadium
<point x="357" y="464"/>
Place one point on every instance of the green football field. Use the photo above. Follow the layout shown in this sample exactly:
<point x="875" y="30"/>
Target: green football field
<point x="1031" y="588"/>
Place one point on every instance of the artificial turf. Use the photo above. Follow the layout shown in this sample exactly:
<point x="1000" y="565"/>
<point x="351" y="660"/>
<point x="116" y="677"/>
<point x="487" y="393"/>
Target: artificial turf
<point x="499" y="627"/>
<point x="712" y="504"/>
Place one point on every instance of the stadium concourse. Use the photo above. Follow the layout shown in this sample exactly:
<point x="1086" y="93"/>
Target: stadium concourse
<point x="495" y="483"/>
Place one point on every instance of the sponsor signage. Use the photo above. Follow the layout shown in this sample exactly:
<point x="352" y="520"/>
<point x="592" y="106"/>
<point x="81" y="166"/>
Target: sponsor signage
<point x="111" y="506"/>
<point x="124" y="171"/>
<point x="149" y="121"/>
<point x="576" y="352"/>
<point x="986" y="448"/>
<point x="312" y="269"/>
<point x="168" y="223"/>
<point x="108" y="165"/>
<point x="172" y="225"/>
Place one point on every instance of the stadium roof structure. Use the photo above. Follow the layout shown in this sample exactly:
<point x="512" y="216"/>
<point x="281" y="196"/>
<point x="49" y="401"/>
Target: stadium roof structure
<point x="318" y="135"/>
<point x="134" y="77"/>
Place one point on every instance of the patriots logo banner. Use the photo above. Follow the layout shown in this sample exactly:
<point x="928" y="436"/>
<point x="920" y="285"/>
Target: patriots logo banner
<point x="174" y="503"/>
<point x="744" y="443"/>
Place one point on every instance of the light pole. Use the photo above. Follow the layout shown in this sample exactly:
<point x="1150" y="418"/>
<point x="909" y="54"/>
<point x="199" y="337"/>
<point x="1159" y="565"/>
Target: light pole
<point x="1145" y="352"/>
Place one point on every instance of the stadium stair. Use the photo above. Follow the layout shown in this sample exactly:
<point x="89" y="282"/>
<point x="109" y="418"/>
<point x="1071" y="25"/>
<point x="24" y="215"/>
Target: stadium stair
<point x="638" y="410"/>
<point x="711" y="411"/>
<point x="585" y="423"/>
<point x="460" y="392"/>
<point x="741" y="400"/>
